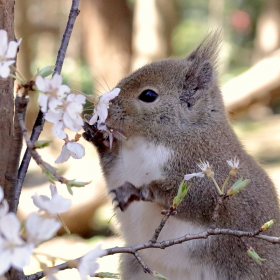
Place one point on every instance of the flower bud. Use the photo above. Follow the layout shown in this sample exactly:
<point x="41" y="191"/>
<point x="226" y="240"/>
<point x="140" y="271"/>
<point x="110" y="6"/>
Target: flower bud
<point x="267" y="225"/>
<point x="158" y="275"/>
<point x="46" y="71"/>
<point x="182" y="191"/>
<point x="42" y="144"/>
<point x="252" y="254"/>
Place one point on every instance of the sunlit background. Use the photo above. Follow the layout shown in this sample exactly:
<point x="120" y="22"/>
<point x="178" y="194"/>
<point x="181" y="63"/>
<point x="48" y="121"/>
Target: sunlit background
<point x="111" y="38"/>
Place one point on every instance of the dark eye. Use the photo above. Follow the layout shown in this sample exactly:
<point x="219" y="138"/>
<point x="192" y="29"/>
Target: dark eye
<point x="148" y="96"/>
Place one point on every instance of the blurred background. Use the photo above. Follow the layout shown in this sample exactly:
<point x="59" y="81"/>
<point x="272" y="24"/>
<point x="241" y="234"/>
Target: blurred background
<point x="111" y="38"/>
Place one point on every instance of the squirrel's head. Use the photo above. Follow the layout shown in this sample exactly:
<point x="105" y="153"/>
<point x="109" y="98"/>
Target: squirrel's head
<point x="170" y="97"/>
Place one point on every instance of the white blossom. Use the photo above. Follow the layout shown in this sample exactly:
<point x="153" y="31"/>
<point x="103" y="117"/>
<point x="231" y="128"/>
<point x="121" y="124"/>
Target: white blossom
<point x="67" y="115"/>
<point x="53" y="90"/>
<point x="189" y="176"/>
<point x="13" y="250"/>
<point x="102" y="107"/>
<point x="1" y="194"/>
<point x="233" y="163"/>
<point x="88" y="265"/>
<point x="40" y="228"/>
<point x="55" y="205"/>
<point x="72" y="149"/>
<point x="8" y="51"/>
<point x="204" y="165"/>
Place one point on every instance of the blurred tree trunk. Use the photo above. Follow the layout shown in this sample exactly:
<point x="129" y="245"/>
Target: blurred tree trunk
<point x="153" y="24"/>
<point x="268" y="30"/>
<point x="6" y="93"/>
<point x="107" y="27"/>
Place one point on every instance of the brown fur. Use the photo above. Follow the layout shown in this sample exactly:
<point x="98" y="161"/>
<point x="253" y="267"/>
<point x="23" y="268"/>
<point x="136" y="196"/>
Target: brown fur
<point x="189" y="117"/>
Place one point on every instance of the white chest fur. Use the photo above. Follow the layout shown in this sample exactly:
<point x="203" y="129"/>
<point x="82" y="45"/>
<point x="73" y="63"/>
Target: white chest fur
<point x="141" y="162"/>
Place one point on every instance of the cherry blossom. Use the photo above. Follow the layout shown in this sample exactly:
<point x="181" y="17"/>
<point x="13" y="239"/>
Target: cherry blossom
<point x="233" y="163"/>
<point x="72" y="149"/>
<point x="189" y="176"/>
<point x="67" y="115"/>
<point x="102" y="107"/>
<point x="53" y="90"/>
<point x="8" y="52"/>
<point x="88" y="265"/>
<point x="55" y="205"/>
<point x="40" y="228"/>
<point x="13" y="250"/>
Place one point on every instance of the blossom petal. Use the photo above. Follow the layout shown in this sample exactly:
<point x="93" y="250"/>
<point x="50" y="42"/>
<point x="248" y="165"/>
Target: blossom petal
<point x="5" y="259"/>
<point x="41" y="84"/>
<point x="43" y="102"/>
<point x="189" y="176"/>
<point x="62" y="90"/>
<point x="5" y="68"/>
<point x="10" y="227"/>
<point x="4" y="208"/>
<point x="3" y="42"/>
<point x="21" y="256"/>
<point x="56" y="81"/>
<point x="76" y="150"/>
<point x="54" y="116"/>
<point x="64" y="155"/>
<point x="106" y="97"/>
<point x="40" y="228"/>
<point x="54" y="103"/>
<point x="88" y="265"/>
<point x="71" y="123"/>
<point x="12" y="48"/>
<point x="58" y="130"/>
<point x="93" y="119"/>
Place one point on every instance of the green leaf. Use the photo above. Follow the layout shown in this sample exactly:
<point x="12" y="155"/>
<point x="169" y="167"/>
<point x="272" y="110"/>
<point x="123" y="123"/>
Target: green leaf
<point x="46" y="71"/>
<point x="182" y="191"/>
<point x="158" y="276"/>
<point x="238" y="186"/>
<point x="73" y="183"/>
<point x="252" y="253"/>
<point x="42" y="143"/>
<point x="108" y="275"/>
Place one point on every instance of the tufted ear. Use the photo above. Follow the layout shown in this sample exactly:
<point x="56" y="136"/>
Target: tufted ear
<point x="201" y="72"/>
<point x="208" y="50"/>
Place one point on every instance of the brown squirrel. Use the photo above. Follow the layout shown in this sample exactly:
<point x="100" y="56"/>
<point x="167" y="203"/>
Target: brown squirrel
<point x="168" y="115"/>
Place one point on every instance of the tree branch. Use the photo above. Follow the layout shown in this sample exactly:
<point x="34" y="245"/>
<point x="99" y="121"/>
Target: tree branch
<point x="39" y="123"/>
<point x="167" y="243"/>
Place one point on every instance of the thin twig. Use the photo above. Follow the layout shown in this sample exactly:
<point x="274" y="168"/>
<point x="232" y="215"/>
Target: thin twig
<point x="171" y="242"/>
<point x="74" y="12"/>
<point x="162" y="224"/>
<point x="39" y="123"/>
<point x="141" y="262"/>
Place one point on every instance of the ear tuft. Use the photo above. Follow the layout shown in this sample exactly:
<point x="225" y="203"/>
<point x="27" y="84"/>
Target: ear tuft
<point x="208" y="49"/>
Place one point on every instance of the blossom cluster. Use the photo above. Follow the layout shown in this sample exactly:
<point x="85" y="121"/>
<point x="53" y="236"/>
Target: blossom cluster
<point x="16" y="245"/>
<point x="63" y="109"/>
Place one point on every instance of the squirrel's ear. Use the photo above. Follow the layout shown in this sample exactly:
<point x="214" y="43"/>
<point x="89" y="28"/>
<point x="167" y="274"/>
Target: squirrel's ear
<point x="208" y="50"/>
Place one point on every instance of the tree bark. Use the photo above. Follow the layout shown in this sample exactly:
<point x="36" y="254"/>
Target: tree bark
<point x="153" y="24"/>
<point x="268" y="30"/>
<point x="107" y="31"/>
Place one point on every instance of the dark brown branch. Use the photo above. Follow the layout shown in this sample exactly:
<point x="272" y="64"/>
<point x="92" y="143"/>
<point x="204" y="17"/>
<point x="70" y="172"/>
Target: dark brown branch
<point x="220" y="201"/>
<point x="141" y="262"/>
<point x="74" y="12"/>
<point x="39" y="124"/>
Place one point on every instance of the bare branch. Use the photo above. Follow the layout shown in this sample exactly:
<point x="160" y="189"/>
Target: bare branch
<point x="167" y="243"/>
<point x="167" y="214"/>
<point x="141" y="262"/>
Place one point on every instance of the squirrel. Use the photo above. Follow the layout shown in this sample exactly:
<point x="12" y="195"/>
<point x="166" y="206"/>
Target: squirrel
<point x="168" y="115"/>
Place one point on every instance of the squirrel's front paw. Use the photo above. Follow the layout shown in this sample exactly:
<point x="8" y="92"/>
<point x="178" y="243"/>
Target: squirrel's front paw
<point x="92" y="134"/>
<point x="126" y="194"/>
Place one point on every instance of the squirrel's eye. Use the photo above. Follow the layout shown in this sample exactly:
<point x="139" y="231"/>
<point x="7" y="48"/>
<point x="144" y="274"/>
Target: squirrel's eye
<point x="148" y="96"/>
